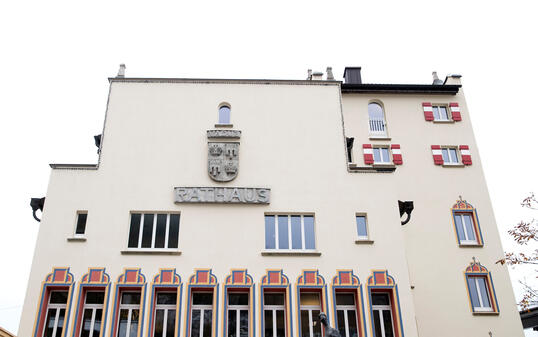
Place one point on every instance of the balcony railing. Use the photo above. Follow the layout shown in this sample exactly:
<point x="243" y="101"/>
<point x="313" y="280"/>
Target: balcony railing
<point x="378" y="128"/>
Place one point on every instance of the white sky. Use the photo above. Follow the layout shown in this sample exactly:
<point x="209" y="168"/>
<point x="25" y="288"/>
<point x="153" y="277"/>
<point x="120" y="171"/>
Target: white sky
<point x="56" y="56"/>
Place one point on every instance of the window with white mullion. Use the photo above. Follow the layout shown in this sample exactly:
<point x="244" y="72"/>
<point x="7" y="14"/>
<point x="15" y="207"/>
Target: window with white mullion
<point x="238" y="324"/>
<point x="450" y="155"/>
<point x="289" y="232"/>
<point x="92" y="314"/>
<point x="167" y="231"/>
<point x="165" y="314"/>
<point x="479" y="292"/>
<point x="129" y="314"/>
<point x="465" y="228"/>
<point x="201" y="315"/>
<point x="346" y="314"/>
<point x="54" y="321"/>
<point x="273" y="314"/>
<point x="154" y="230"/>
<point x="310" y="306"/>
<point x="440" y="112"/>
<point x="382" y="315"/>
<point x="141" y="230"/>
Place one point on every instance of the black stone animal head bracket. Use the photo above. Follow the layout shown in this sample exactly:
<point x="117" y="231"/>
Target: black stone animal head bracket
<point x="37" y="204"/>
<point x="329" y="331"/>
<point x="406" y="207"/>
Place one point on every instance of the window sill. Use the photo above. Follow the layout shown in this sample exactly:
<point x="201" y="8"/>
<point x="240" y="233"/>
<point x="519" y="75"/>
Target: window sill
<point x="384" y="165"/>
<point x="379" y="138"/>
<point x="224" y="125"/>
<point x="453" y="165"/>
<point x="290" y="253"/>
<point x="485" y="313"/>
<point x="77" y="239"/>
<point x="352" y="167"/>
<point x="471" y="245"/>
<point x="364" y="241"/>
<point x="150" y="251"/>
<point x="444" y="122"/>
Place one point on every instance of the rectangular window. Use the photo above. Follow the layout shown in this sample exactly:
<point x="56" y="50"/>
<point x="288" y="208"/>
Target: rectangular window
<point x="92" y="314"/>
<point x="165" y="314"/>
<point x="362" y="229"/>
<point x="274" y="322"/>
<point x="80" y="228"/>
<point x="346" y="315"/>
<point x="149" y="230"/>
<point x="465" y="227"/>
<point x="440" y="113"/>
<point x="381" y="155"/>
<point x="382" y="315"/>
<point x="479" y="292"/>
<point x="290" y="232"/>
<point x="54" y="322"/>
<point x="450" y="155"/>
<point x="201" y="315"/>
<point x="238" y="322"/>
<point x="310" y="304"/>
<point x="129" y="316"/>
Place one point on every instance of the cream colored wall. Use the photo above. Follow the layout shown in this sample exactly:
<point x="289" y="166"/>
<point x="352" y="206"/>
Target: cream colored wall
<point x="436" y="261"/>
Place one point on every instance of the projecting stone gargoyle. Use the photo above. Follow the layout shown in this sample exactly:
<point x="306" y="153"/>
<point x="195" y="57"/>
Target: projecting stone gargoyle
<point x="328" y="331"/>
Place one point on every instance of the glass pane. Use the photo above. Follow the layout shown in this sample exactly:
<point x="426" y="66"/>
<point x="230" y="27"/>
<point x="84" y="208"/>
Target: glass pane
<point x="280" y="324"/>
<point x="445" y="155"/>
<point x="122" y="325"/>
<point x="237" y="299"/>
<point x="134" y="323"/>
<point x="147" y="231"/>
<point x="469" y="227"/>
<point x="435" y="112"/>
<point x="341" y="323"/>
<point x="484" y="292"/>
<point x="310" y="299"/>
<point x="60" y="326"/>
<point x="268" y="323"/>
<point x="316" y="323"/>
<point x="375" y="111"/>
<point x="273" y="299"/>
<point x="473" y="291"/>
<point x="97" y="322"/>
<point x="453" y="155"/>
<point x="345" y="299"/>
<point x="81" y="223"/>
<point x="224" y="115"/>
<point x="202" y="298"/>
<point x="173" y="231"/>
<point x="130" y="298"/>
<point x="160" y="231"/>
<point x="58" y="297"/>
<point x="86" y="323"/>
<point x="95" y="297"/>
<point x="387" y="322"/>
<point x="443" y="113"/>
<point x="310" y="241"/>
<point x="385" y="155"/>
<point x="459" y="227"/>
<point x="296" y="236"/>
<point x="283" y="239"/>
<point x="159" y="323"/>
<point x="377" y="323"/>
<point x="195" y="323"/>
<point x="361" y="226"/>
<point x="352" y="323"/>
<point x="166" y="298"/>
<point x="270" y="232"/>
<point x="377" y="155"/>
<point x="243" y="323"/>
<point x="49" y="325"/>
<point x="135" y="230"/>
<point x="305" y="324"/>
<point x="171" y="323"/>
<point x="380" y="299"/>
<point x="232" y="323"/>
<point x="208" y="314"/>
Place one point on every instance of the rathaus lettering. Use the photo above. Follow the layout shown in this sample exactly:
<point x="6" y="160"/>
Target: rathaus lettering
<point x="233" y="195"/>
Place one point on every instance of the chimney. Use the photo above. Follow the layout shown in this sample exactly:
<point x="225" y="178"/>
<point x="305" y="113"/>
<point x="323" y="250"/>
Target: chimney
<point x="436" y="80"/>
<point x="121" y="71"/>
<point x="352" y="75"/>
<point x="453" y="79"/>
<point x="330" y="76"/>
<point x="309" y="77"/>
<point x="317" y="76"/>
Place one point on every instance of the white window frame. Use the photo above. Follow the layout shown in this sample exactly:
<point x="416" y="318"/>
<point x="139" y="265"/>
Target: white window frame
<point x="450" y="162"/>
<point x="274" y="308"/>
<point x="377" y="123"/>
<point x="448" y="113"/>
<point x="303" y="234"/>
<point x="482" y="307"/>
<point x="389" y="153"/>
<point x="166" y="308"/>
<point x="465" y="233"/>
<point x="94" y="308"/>
<point x="58" y="307"/>
<point x="345" y="308"/>
<point x="310" y="308"/>
<point x="362" y="237"/>
<point x="130" y="308"/>
<point x="202" y="308"/>
<point x="378" y="310"/>
<point x="154" y="230"/>
<point x="229" y="114"/>
<point x="238" y="308"/>
<point x="80" y="235"/>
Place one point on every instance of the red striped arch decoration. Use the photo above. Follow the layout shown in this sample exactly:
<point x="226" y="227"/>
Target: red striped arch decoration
<point x="238" y="277"/>
<point x="478" y="270"/>
<point x="59" y="279"/>
<point x="311" y="280"/>
<point x="130" y="279"/>
<point x="169" y="281"/>
<point x="275" y="277"/>
<point x="381" y="281"/>
<point x="462" y="206"/>
<point x="96" y="279"/>
<point x="276" y="281"/>
<point x="203" y="279"/>
<point x="239" y="280"/>
<point x="346" y="281"/>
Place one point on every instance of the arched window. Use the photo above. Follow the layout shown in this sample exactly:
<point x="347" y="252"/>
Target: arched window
<point x="480" y="289"/>
<point x="376" y="115"/>
<point x="224" y="114"/>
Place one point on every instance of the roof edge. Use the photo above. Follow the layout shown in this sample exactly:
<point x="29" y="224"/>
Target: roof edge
<point x="74" y="166"/>
<point x="450" y="89"/>
<point x="219" y="80"/>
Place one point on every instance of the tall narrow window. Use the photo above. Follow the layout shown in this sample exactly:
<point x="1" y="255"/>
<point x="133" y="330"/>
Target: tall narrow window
<point x="382" y="315"/>
<point x="54" y="323"/>
<point x="165" y="314"/>
<point x="129" y="316"/>
<point x="201" y="314"/>
<point x="465" y="228"/>
<point x="310" y="303"/>
<point x="238" y="323"/>
<point x="289" y="232"/>
<point x="149" y="230"/>
<point x="346" y="314"/>
<point x="224" y="114"/>
<point x="378" y="127"/>
<point x="274" y="322"/>
<point x="80" y="228"/>
<point x="479" y="291"/>
<point x="93" y="312"/>
<point x="362" y="229"/>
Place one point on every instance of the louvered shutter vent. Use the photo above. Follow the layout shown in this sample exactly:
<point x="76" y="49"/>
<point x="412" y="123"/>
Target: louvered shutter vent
<point x="428" y="111"/>
<point x="396" y="154"/>
<point x="368" y="154"/>
<point x="455" y="109"/>
<point x="465" y="155"/>
<point x="437" y="155"/>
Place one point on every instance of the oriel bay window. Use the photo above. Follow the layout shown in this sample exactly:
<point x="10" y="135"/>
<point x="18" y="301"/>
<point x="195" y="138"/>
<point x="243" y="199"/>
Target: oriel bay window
<point x="154" y="230"/>
<point x="290" y="232"/>
<point x="129" y="314"/>
<point x="274" y="319"/>
<point x="310" y="304"/>
<point x="237" y="314"/>
<point x="92" y="315"/>
<point x="165" y="314"/>
<point x="382" y="314"/>
<point x="346" y="314"/>
<point x="201" y="314"/>
<point x="56" y="307"/>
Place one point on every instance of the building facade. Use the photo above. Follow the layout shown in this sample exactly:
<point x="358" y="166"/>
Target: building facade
<point x="245" y="208"/>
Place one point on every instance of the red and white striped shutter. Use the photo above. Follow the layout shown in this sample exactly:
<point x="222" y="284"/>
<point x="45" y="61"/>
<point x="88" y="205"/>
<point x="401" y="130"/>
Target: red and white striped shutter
<point x="455" y="109"/>
<point x="368" y="154"/>
<point x="396" y="154"/>
<point x="428" y="111"/>
<point x="437" y="155"/>
<point x="465" y="155"/>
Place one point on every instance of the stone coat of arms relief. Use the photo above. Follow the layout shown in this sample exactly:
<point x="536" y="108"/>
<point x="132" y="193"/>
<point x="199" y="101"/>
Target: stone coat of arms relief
<point x="223" y="156"/>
